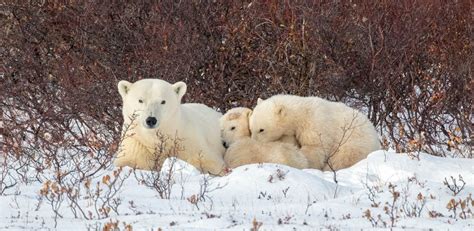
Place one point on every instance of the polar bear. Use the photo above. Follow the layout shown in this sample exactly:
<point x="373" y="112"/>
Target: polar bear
<point x="243" y="150"/>
<point x="155" y="122"/>
<point x="332" y="135"/>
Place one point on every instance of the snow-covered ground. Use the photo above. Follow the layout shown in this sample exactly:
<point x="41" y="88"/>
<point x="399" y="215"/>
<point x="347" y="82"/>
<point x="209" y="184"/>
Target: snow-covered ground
<point x="386" y="189"/>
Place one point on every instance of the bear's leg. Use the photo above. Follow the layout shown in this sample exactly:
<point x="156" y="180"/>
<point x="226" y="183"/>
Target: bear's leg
<point x="133" y="154"/>
<point x="315" y="155"/>
<point x="121" y="160"/>
<point x="124" y="157"/>
<point x="213" y="164"/>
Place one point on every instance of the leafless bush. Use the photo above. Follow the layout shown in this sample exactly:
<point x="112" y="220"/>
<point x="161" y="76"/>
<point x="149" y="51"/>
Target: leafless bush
<point x="347" y="130"/>
<point x="256" y="225"/>
<point x="391" y="208"/>
<point x="455" y="186"/>
<point x="374" y="221"/>
<point x="372" y="194"/>
<point x="285" y="220"/>
<point x="102" y="198"/>
<point x="54" y="195"/>
<point x="205" y="187"/>
<point x="309" y="203"/>
<point x="461" y="208"/>
<point x="278" y="175"/>
<point x="414" y="209"/>
<point x="115" y="225"/>
<point x="285" y="191"/>
<point x="162" y="181"/>
<point x="435" y="214"/>
<point x="6" y="179"/>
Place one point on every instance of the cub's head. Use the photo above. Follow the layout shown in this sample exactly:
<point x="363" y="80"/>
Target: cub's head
<point x="150" y="102"/>
<point x="235" y="125"/>
<point x="267" y="121"/>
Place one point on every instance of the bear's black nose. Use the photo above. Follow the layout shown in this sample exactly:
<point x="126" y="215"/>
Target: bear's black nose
<point x="224" y="144"/>
<point x="150" y="121"/>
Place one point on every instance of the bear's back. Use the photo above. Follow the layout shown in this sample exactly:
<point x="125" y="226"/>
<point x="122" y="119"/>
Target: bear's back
<point x="200" y="111"/>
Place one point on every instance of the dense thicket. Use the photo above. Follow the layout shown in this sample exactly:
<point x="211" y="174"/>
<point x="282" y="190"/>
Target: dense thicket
<point x="407" y="64"/>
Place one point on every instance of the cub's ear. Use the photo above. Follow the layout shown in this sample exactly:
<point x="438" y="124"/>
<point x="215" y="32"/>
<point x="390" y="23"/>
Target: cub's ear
<point x="233" y="116"/>
<point x="180" y="89"/>
<point x="124" y="87"/>
<point x="280" y="110"/>
<point x="259" y="100"/>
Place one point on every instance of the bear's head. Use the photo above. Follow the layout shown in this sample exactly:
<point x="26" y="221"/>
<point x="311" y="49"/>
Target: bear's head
<point x="267" y="121"/>
<point x="234" y="125"/>
<point x="149" y="102"/>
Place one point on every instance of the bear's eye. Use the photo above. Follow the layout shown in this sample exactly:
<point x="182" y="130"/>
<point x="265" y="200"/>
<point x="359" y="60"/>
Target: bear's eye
<point x="140" y="101"/>
<point x="261" y="130"/>
<point x="232" y="128"/>
<point x="163" y="101"/>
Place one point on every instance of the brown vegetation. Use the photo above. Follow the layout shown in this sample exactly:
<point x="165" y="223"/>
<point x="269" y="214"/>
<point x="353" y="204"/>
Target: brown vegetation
<point x="406" y="64"/>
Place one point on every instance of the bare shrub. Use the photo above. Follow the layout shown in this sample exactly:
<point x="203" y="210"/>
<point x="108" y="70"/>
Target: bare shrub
<point x="372" y="194"/>
<point x="6" y="179"/>
<point x="374" y="221"/>
<point x="455" y="186"/>
<point x="162" y="181"/>
<point x="414" y="209"/>
<point x="309" y="203"/>
<point x="101" y="198"/>
<point x="115" y="225"/>
<point x="347" y="130"/>
<point x="205" y="187"/>
<point x="54" y="195"/>
<point x="461" y="208"/>
<point x="279" y="175"/>
<point x="391" y="208"/>
<point x="256" y="225"/>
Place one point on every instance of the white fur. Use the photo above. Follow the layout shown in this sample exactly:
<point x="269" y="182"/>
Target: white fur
<point x="331" y="134"/>
<point x="244" y="150"/>
<point x="196" y="126"/>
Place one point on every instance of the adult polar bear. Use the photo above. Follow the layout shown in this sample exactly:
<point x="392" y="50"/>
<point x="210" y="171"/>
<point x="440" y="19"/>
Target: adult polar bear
<point x="331" y="134"/>
<point x="154" y="117"/>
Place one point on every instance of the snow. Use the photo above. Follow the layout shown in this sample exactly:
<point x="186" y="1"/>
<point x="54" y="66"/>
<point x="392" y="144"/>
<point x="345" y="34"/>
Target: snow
<point x="277" y="196"/>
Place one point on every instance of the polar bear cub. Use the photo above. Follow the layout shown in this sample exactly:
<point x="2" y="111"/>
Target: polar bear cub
<point x="243" y="150"/>
<point x="157" y="123"/>
<point x="332" y="135"/>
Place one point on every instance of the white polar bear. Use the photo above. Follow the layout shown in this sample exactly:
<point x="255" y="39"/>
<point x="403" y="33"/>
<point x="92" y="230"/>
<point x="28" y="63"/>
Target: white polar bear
<point x="154" y="119"/>
<point x="243" y="150"/>
<point x="331" y="134"/>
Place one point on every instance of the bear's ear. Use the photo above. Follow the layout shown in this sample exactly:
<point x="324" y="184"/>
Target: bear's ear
<point x="259" y="100"/>
<point x="280" y="110"/>
<point x="124" y="87"/>
<point x="180" y="89"/>
<point x="233" y="116"/>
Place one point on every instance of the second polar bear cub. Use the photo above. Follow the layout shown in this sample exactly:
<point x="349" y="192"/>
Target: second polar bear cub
<point x="243" y="150"/>
<point x="332" y="135"/>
